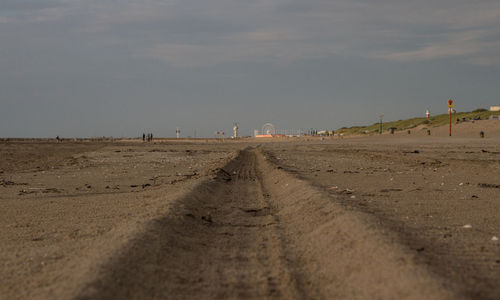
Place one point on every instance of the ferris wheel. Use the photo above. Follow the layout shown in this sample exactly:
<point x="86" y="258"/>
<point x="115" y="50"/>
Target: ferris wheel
<point x="268" y="128"/>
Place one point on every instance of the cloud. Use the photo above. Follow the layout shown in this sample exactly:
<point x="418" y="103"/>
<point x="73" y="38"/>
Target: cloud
<point x="273" y="46"/>
<point x="26" y="5"/>
<point x="468" y="46"/>
<point x="387" y="29"/>
<point x="200" y="33"/>
<point x="32" y="11"/>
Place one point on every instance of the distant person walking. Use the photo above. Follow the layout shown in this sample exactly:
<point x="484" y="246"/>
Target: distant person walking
<point x="151" y="136"/>
<point x="143" y="137"/>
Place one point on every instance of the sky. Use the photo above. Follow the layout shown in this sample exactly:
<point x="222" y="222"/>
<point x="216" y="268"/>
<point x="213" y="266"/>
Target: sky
<point x="82" y="68"/>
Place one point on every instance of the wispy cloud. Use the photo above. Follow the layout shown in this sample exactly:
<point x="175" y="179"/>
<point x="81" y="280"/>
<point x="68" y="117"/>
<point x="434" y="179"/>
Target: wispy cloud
<point x="26" y="5"/>
<point x="195" y="32"/>
<point x="32" y="11"/>
<point x="273" y="46"/>
<point x="468" y="46"/>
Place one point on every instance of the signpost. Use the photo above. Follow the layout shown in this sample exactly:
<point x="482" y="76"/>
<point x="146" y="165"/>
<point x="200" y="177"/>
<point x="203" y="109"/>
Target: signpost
<point x="450" y="109"/>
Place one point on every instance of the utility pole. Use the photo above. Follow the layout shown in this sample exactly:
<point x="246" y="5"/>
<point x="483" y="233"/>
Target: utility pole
<point x="450" y="109"/>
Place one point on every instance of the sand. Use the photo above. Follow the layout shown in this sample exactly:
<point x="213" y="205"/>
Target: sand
<point x="391" y="216"/>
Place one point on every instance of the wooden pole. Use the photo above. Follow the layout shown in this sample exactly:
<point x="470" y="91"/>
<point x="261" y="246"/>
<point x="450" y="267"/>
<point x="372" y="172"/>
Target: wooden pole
<point x="450" y="121"/>
<point x="450" y="108"/>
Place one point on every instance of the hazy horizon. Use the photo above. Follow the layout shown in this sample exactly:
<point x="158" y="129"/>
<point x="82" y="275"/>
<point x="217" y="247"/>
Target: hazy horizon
<point x="120" y="68"/>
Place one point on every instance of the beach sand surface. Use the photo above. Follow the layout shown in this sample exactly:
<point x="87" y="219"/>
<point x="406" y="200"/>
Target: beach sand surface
<point x="393" y="216"/>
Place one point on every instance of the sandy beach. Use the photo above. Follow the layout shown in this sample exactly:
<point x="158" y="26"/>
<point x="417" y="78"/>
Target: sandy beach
<point x="393" y="216"/>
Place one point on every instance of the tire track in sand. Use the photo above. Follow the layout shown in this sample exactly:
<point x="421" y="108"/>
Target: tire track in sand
<point x="256" y="232"/>
<point x="221" y="241"/>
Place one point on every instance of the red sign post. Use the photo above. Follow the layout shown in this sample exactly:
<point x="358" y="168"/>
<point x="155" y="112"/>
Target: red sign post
<point x="450" y="109"/>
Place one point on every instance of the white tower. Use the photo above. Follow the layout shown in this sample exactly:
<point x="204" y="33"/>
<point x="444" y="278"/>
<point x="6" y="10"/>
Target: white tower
<point x="235" y="130"/>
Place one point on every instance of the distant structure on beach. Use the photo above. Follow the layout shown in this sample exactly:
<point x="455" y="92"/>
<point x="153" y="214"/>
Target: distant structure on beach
<point x="494" y="108"/>
<point x="235" y="130"/>
<point x="268" y="130"/>
<point x="178" y="132"/>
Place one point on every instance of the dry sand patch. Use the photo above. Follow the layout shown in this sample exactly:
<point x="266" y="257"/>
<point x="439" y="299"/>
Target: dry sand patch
<point x="376" y="217"/>
<point x="61" y="222"/>
<point x="441" y="197"/>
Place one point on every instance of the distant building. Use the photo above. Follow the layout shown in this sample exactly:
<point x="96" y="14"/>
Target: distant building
<point x="494" y="108"/>
<point x="263" y="135"/>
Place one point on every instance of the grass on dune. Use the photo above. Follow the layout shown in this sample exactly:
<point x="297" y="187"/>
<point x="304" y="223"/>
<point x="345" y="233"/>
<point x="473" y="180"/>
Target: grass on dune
<point x="435" y="121"/>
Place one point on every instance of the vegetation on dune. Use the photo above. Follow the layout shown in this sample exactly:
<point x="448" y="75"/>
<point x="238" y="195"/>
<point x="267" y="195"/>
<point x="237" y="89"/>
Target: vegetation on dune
<point x="434" y="121"/>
